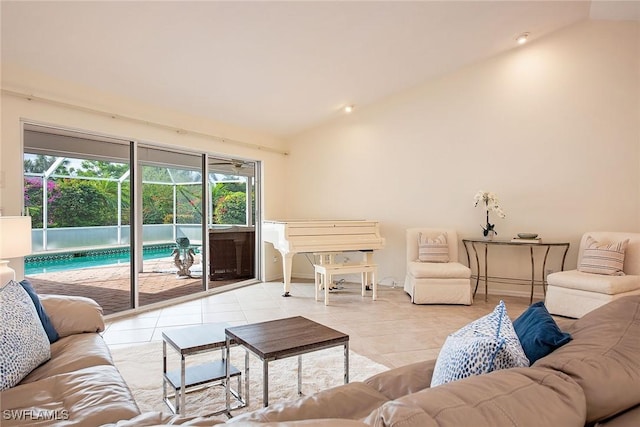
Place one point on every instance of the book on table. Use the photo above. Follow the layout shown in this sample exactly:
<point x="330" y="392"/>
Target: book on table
<point x="520" y="240"/>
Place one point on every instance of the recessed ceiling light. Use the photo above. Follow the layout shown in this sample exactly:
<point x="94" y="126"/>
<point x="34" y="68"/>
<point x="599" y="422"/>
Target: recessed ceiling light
<point x="522" y="38"/>
<point x="348" y="109"/>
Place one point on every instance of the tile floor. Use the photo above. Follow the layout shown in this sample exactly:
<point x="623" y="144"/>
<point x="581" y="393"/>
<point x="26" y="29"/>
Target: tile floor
<point x="390" y="330"/>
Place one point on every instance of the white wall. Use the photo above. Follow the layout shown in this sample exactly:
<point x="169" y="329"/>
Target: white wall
<point x="15" y="109"/>
<point x="552" y="127"/>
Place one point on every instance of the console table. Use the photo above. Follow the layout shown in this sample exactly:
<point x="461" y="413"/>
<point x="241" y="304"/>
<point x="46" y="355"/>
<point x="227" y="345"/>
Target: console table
<point x="481" y="243"/>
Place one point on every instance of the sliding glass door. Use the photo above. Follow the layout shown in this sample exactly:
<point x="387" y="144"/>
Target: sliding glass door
<point x="131" y="224"/>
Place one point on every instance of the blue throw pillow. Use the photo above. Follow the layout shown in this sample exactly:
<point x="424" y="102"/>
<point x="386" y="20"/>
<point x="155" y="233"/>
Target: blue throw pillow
<point x="52" y="334"/>
<point x="538" y="332"/>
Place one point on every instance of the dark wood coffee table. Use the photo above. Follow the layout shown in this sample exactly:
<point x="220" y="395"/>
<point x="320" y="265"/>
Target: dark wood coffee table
<point x="282" y="338"/>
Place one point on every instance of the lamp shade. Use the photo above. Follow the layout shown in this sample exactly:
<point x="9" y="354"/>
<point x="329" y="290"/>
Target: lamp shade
<point x="15" y="236"/>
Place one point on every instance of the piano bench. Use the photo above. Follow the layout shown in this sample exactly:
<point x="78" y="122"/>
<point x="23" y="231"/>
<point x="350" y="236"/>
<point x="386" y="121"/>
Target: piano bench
<point x="324" y="273"/>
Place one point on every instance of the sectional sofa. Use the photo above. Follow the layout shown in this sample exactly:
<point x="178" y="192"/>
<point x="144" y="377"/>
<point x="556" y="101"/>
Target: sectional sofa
<point x="592" y="380"/>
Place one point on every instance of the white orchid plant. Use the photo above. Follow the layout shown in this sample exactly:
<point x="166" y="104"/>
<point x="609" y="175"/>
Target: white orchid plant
<point x="490" y="203"/>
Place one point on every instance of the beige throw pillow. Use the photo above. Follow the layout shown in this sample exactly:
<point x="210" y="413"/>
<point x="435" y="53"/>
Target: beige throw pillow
<point x="603" y="258"/>
<point x="433" y="249"/>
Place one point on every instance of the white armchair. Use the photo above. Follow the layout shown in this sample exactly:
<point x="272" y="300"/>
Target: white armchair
<point x="574" y="293"/>
<point x="443" y="282"/>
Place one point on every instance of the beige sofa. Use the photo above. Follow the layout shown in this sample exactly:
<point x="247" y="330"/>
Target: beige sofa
<point x="79" y="384"/>
<point x="592" y="380"/>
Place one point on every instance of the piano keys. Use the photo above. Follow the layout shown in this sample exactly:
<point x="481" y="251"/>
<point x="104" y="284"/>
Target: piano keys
<point x="308" y="236"/>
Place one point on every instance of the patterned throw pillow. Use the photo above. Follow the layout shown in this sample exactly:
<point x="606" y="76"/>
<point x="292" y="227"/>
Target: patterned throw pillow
<point x="484" y="345"/>
<point x="24" y="344"/>
<point x="603" y="258"/>
<point x="433" y="249"/>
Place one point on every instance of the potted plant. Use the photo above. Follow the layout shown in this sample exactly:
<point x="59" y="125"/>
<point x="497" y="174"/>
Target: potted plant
<point x="489" y="201"/>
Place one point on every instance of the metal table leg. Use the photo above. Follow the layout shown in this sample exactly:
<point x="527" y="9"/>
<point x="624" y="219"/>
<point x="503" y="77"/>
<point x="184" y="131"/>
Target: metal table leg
<point x="475" y="252"/>
<point x="183" y="381"/>
<point x="533" y="272"/>
<point x="300" y="375"/>
<point x="542" y="277"/>
<point x="246" y="376"/>
<point x="486" y="273"/>
<point x="164" y="371"/>
<point x="346" y="362"/>
<point x="227" y="367"/>
<point x="265" y="383"/>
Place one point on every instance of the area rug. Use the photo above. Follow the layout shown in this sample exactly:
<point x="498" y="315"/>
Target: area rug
<point x="141" y="368"/>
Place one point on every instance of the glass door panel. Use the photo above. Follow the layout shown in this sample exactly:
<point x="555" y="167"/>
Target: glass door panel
<point x="79" y="204"/>
<point x="231" y="222"/>
<point x="172" y="217"/>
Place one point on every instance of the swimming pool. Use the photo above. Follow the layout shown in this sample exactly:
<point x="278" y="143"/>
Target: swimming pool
<point x="49" y="263"/>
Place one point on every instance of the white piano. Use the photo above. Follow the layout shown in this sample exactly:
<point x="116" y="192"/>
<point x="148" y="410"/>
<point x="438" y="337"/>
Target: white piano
<point x="301" y="236"/>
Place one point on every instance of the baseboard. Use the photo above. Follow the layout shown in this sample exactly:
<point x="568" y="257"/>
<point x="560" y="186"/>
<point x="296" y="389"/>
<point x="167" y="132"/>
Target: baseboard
<point x="525" y="292"/>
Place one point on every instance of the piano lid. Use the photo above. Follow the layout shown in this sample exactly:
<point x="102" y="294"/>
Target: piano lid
<point x="323" y="235"/>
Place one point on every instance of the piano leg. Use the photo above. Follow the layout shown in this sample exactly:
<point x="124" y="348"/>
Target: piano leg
<point x="367" y="258"/>
<point x="287" y="263"/>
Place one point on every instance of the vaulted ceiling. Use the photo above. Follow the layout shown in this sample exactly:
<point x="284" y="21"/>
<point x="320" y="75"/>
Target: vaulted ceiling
<point x="275" y="66"/>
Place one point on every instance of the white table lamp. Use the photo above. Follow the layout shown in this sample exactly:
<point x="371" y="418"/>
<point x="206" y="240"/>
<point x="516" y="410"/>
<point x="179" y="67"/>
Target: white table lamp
<point x="15" y="241"/>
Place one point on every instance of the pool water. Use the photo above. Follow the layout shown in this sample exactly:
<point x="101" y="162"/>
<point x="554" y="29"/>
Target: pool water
<point x="39" y="265"/>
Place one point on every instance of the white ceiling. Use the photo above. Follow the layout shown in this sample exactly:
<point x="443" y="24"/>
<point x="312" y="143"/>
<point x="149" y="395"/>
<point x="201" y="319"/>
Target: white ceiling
<point x="276" y="67"/>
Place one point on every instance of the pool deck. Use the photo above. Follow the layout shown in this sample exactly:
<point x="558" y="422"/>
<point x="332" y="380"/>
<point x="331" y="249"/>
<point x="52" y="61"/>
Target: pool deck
<point x="110" y="285"/>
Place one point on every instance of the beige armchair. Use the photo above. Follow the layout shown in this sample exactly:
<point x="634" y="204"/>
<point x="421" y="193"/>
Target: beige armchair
<point x="434" y="275"/>
<point x="598" y="278"/>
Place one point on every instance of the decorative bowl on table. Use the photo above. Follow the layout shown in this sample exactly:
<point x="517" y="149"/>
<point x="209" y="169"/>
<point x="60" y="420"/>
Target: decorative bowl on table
<point x="527" y="235"/>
